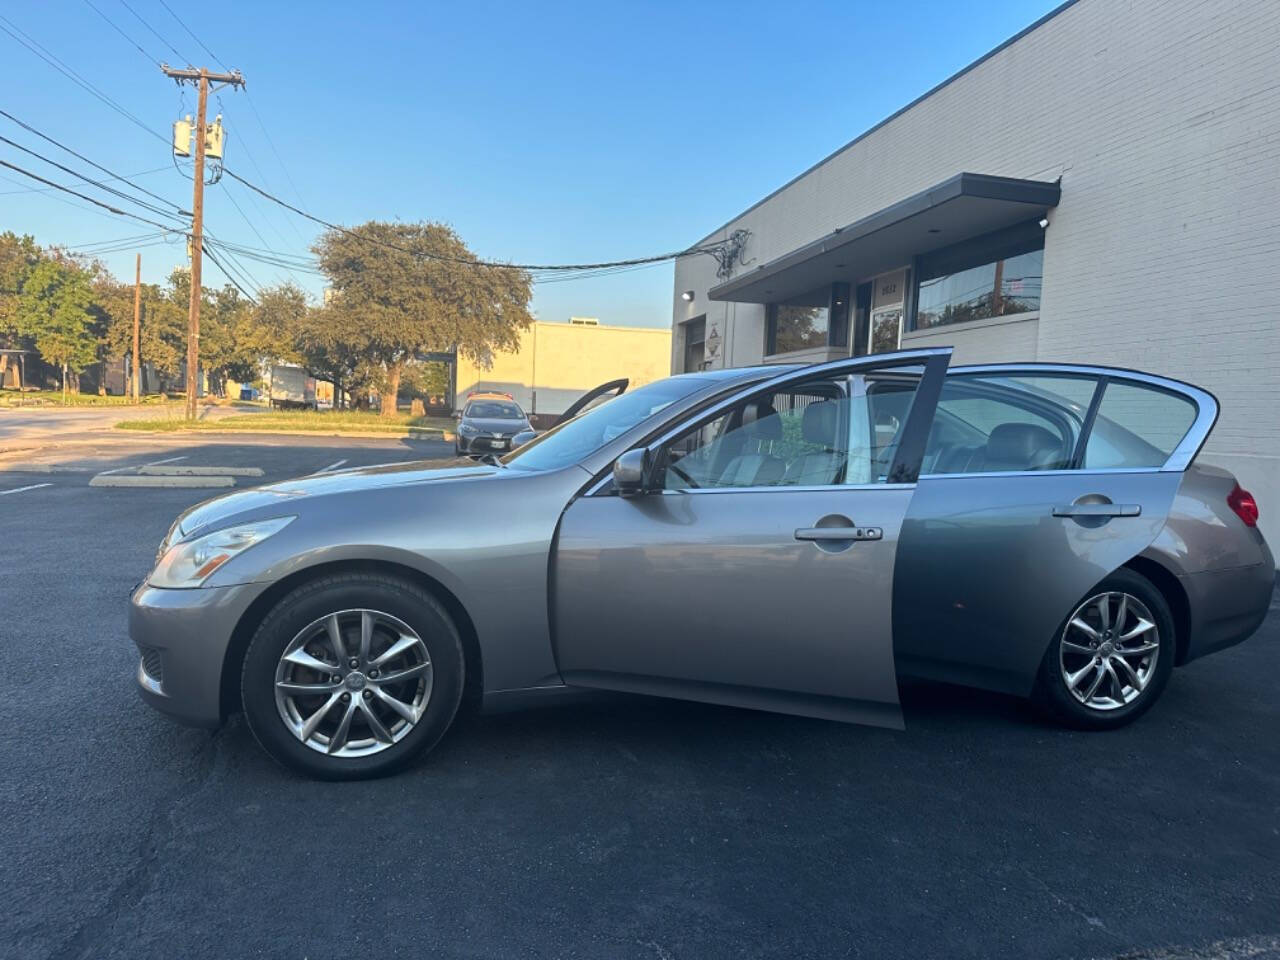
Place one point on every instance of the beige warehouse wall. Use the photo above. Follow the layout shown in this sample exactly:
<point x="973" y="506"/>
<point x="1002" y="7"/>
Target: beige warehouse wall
<point x="557" y="362"/>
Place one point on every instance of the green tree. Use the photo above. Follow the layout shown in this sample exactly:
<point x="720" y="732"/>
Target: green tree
<point x="412" y="288"/>
<point x="56" y="310"/>
<point x="18" y="257"/>
<point x="334" y="351"/>
<point x="162" y="328"/>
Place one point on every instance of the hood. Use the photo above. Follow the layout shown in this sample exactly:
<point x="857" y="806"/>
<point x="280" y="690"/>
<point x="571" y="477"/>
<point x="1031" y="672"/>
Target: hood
<point x="288" y="492"/>
<point x="493" y="425"/>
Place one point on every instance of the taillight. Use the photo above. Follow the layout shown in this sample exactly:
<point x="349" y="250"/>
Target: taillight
<point x="1243" y="505"/>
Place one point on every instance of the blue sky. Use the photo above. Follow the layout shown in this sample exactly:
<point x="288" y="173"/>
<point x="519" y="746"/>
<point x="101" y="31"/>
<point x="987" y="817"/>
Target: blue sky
<point x="542" y="132"/>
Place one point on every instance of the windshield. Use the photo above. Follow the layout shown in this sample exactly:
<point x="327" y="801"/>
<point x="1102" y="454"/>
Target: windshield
<point x="588" y="431"/>
<point x="493" y="410"/>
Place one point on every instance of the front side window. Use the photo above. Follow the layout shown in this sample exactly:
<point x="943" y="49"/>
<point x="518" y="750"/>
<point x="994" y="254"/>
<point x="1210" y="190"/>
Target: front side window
<point x="956" y="289"/>
<point x="799" y="324"/>
<point x="831" y="431"/>
<point x="1003" y="424"/>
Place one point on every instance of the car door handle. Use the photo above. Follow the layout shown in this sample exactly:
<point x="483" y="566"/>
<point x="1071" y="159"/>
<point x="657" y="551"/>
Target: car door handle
<point x="1099" y="510"/>
<point x="839" y="534"/>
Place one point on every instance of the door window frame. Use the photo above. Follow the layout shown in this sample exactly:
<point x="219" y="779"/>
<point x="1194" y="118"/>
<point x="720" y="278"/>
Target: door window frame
<point x="1183" y="454"/>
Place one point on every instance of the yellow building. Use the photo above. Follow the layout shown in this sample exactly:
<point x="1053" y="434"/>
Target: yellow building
<point x="558" y="362"/>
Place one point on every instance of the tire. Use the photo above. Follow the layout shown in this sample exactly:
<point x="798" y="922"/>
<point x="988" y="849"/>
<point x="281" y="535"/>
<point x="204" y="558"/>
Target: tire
<point x="1079" y="652"/>
<point x="426" y="679"/>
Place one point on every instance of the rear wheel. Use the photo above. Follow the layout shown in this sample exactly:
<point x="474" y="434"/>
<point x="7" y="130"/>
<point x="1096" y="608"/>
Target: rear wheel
<point x="352" y="676"/>
<point x="1112" y="656"/>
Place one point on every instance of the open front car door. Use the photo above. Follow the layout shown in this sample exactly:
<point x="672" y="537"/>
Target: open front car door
<point x="753" y="563"/>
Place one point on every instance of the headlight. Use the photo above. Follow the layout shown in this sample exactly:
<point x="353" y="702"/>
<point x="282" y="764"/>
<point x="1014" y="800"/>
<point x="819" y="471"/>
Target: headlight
<point x="468" y="429"/>
<point x="190" y="564"/>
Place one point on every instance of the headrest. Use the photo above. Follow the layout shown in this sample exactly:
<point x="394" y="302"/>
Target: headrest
<point x="761" y="420"/>
<point x="1023" y="446"/>
<point x="820" y="422"/>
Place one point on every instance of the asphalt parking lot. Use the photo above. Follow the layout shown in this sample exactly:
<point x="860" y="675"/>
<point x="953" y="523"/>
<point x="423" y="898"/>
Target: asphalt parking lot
<point x="626" y="828"/>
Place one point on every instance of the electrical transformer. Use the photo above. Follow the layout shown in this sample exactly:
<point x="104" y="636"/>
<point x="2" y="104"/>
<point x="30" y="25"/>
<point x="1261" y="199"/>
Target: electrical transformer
<point x="213" y="139"/>
<point x="182" y="136"/>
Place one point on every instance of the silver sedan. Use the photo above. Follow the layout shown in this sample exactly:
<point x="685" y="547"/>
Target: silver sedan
<point x="784" y="538"/>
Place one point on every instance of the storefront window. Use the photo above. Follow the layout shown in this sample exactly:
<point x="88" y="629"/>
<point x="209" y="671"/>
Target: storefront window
<point x="799" y="324"/>
<point x="989" y="285"/>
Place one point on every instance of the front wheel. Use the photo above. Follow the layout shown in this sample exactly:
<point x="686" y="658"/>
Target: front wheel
<point x="352" y="676"/>
<point x="1112" y="656"/>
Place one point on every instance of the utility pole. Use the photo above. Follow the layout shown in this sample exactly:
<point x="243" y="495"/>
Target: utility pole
<point x="137" y="327"/>
<point x="200" y="79"/>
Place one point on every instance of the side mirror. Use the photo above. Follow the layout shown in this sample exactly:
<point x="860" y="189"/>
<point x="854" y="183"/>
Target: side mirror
<point x="457" y="414"/>
<point x="630" y="471"/>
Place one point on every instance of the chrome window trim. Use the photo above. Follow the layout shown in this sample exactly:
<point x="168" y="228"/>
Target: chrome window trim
<point x="1042" y="473"/>
<point x="600" y="488"/>
<point x="788" y="488"/>
<point x="1188" y="447"/>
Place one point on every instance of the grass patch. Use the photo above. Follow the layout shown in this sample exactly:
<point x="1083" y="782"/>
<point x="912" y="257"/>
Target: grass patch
<point x="300" y="421"/>
<point x="45" y="398"/>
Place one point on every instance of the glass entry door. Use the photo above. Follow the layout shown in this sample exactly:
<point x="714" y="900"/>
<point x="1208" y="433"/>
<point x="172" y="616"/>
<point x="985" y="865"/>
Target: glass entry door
<point x="886" y="329"/>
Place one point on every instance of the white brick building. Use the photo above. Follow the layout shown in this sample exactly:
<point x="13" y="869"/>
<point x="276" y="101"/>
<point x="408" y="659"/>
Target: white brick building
<point x="1145" y="133"/>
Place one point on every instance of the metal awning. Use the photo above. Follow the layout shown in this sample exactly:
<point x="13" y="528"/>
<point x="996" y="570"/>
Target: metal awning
<point x="965" y="206"/>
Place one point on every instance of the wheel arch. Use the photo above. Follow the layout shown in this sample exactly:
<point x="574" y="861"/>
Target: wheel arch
<point x="229" y="685"/>
<point x="1167" y="582"/>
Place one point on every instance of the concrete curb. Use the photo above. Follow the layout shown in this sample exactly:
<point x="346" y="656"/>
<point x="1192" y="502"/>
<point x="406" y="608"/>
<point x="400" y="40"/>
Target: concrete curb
<point x="161" y="471"/>
<point x="134" y="480"/>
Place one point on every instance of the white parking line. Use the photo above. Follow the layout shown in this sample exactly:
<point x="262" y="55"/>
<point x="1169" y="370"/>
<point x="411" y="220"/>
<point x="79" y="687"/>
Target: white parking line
<point x="332" y="466"/>
<point x="34" y="486"/>
<point x="153" y="463"/>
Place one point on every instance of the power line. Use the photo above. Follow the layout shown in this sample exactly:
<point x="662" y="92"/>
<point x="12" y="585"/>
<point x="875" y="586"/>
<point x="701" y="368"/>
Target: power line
<point x="101" y="186"/>
<point x="74" y="193"/>
<point x="193" y="36"/>
<point x="140" y="173"/>
<point x="96" y="166"/>
<point x="17" y="34"/>
<point x="254" y="200"/>
<point x="153" y="30"/>
<point x="250" y="223"/>
<point x="132" y="42"/>
<point x="227" y="273"/>
<point x="533" y="268"/>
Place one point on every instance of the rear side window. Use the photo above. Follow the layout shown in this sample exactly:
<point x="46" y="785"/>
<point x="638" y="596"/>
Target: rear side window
<point x="1002" y="423"/>
<point x="1137" y="426"/>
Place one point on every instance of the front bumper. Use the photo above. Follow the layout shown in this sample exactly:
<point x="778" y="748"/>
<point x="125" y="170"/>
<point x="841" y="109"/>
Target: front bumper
<point x="1228" y="606"/>
<point x="182" y="638"/>
<point x="483" y="444"/>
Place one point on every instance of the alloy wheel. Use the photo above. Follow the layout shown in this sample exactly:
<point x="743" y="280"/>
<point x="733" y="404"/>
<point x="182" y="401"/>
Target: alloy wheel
<point x="1108" y="651"/>
<point x="353" y="682"/>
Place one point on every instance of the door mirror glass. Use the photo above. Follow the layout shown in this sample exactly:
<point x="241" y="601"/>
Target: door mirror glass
<point x="629" y="473"/>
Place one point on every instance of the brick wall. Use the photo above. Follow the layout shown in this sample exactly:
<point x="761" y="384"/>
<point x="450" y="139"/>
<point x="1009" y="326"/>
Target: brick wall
<point x="1163" y="119"/>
